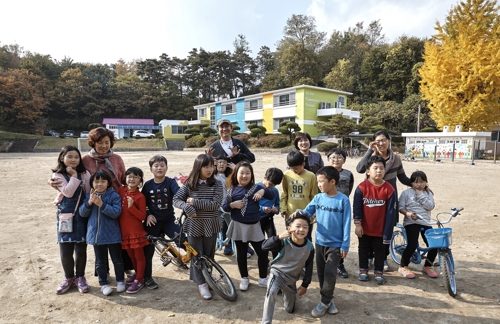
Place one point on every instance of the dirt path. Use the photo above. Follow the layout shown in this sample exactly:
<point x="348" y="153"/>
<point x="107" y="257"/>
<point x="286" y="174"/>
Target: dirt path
<point x="30" y="266"/>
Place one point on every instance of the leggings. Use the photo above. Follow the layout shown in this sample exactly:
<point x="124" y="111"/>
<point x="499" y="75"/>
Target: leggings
<point x="77" y="263"/>
<point x="241" y="258"/>
<point x="412" y="232"/>
<point x="139" y="261"/>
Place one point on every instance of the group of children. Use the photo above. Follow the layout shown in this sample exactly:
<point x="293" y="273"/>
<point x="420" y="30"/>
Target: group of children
<point x="112" y="220"/>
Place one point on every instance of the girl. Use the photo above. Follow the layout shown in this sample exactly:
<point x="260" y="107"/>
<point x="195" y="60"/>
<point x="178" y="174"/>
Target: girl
<point x="243" y="203"/>
<point x="416" y="201"/>
<point x="103" y="207"/>
<point x="131" y="218"/>
<point x="73" y="182"/>
<point x="200" y="198"/>
<point x="222" y="173"/>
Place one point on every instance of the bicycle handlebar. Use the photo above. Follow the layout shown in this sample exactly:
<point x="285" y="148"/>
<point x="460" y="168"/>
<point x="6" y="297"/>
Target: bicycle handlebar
<point x="455" y="213"/>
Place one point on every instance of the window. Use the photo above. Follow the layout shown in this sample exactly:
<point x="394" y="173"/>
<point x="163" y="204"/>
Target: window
<point x="229" y="109"/>
<point x="253" y="104"/>
<point x="179" y="129"/>
<point x="212" y="116"/>
<point x="257" y="122"/>
<point x="464" y="141"/>
<point x="340" y="102"/>
<point x="278" y="121"/>
<point x="113" y="127"/>
<point x="202" y="113"/>
<point x="284" y="99"/>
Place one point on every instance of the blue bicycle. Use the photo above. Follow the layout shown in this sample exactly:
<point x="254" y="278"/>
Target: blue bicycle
<point x="438" y="238"/>
<point x="221" y="242"/>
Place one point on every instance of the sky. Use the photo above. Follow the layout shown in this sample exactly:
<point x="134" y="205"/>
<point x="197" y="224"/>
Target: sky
<point x="104" y="31"/>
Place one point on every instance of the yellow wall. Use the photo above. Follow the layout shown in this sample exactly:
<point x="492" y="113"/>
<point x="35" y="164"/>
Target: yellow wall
<point x="267" y="112"/>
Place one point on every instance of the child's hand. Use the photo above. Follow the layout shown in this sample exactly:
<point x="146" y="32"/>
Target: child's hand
<point x="358" y="230"/>
<point x="414" y="216"/>
<point x="238" y="204"/>
<point x="284" y="214"/>
<point x="231" y="165"/>
<point x="343" y="254"/>
<point x="285" y="234"/>
<point x="130" y="201"/>
<point x="258" y="195"/>
<point x="72" y="172"/>
<point x="301" y="291"/>
<point x="267" y="210"/>
<point x="150" y="220"/>
<point x="190" y="201"/>
<point x="274" y="210"/>
<point x="95" y="199"/>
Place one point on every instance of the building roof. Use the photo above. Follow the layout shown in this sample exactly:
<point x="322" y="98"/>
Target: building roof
<point x="447" y="134"/>
<point x="128" y="121"/>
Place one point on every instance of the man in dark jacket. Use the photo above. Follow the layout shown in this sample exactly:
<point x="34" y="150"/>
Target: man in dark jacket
<point x="232" y="148"/>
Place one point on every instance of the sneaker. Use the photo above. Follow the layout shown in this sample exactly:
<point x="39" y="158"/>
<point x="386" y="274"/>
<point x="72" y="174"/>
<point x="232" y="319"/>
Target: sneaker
<point x="262" y="282"/>
<point x="130" y="280"/>
<point x="363" y="275"/>
<point x="405" y="272"/>
<point x="251" y="251"/>
<point x="342" y="271"/>
<point x="150" y="283"/>
<point x="332" y="309"/>
<point x="204" y="291"/>
<point x="430" y="272"/>
<point x="120" y="286"/>
<point x="136" y="286"/>
<point x="81" y="283"/>
<point x="244" y="284"/>
<point x="370" y="263"/>
<point x="65" y="285"/>
<point x="386" y="266"/>
<point x="106" y="290"/>
<point x="249" y="255"/>
<point x="319" y="310"/>
<point x="379" y="278"/>
<point x="228" y="250"/>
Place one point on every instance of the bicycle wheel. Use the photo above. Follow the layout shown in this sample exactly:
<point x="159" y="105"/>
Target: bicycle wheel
<point x="446" y="261"/>
<point x="397" y="246"/>
<point x="217" y="279"/>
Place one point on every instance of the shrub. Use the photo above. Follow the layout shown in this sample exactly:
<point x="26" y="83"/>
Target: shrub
<point x="210" y="140"/>
<point x="125" y="137"/>
<point x="326" y="146"/>
<point x="195" y="141"/>
<point x="279" y="142"/>
<point x="62" y="136"/>
<point x="243" y="137"/>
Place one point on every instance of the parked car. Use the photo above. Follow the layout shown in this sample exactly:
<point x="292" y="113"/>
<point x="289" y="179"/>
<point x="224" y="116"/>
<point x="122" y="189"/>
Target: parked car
<point x="84" y="134"/>
<point x="69" y="133"/>
<point x="142" y="134"/>
<point x="51" y="132"/>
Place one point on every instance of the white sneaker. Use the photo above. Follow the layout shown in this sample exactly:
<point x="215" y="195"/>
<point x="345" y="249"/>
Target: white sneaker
<point x="204" y="291"/>
<point x="262" y="282"/>
<point x="106" y="290"/>
<point x="244" y="284"/>
<point x="386" y="266"/>
<point x="120" y="286"/>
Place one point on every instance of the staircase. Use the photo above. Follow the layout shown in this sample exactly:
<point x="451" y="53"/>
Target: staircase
<point x="175" y="145"/>
<point x="23" y="145"/>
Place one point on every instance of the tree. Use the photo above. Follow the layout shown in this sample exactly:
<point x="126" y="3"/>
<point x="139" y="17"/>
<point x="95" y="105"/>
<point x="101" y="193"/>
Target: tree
<point x="338" y="125"/>
<point x="208" y="131"/>
<point x="192" y="132"/>
<point x="340" y="77"/>
<point x="289" y="128"/>
<point x="460" y="76"/>
<point x="256" y="131"/>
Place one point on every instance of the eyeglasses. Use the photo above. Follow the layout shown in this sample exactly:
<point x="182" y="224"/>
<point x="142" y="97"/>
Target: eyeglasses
<point x="336" y="158"/>
<point x="382" y="141"/>
<point x="133" y="177"/>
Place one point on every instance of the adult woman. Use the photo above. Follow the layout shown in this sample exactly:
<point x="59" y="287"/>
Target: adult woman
<point x="381" y="146"/>
<point x="303" y="142"/>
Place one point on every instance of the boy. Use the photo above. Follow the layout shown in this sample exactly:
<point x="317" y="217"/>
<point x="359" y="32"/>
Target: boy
<point x="336" y="158"/>
<point x="295" y="253"/>
<point x="333" y="235"/>
<point x="374" y="215"/>
<point x="299" y="187"/>
<point x="269" y="208"/>
<point x="160" y="218"/>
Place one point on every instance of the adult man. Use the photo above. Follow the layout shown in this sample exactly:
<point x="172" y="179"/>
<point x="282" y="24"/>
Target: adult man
<point x="232" y="148"/>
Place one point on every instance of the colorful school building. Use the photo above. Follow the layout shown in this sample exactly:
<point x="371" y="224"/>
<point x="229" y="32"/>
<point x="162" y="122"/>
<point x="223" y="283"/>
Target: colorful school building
<point x="125" y="127"/>
<point x="442" y="144"/>
<point x="304" y="105"/>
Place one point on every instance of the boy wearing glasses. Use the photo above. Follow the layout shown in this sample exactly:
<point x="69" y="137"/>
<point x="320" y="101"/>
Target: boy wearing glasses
<point x="336" y="158"/>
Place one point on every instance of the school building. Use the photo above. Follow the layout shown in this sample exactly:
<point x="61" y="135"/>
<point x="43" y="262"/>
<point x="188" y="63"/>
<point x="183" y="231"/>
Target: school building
<point x="304" y="105"/>
<point x="124" y="127"/>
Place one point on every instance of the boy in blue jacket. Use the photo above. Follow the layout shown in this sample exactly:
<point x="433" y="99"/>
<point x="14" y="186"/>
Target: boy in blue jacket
<point x="333" y="216"/>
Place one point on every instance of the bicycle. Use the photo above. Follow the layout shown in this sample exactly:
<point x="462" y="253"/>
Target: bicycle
<point x="221" y="243"/>
<point x="170" y="252"/>
<point x="438" y="238"/>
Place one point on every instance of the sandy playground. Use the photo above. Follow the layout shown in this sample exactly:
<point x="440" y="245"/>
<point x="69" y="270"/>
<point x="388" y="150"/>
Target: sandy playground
<point x="31" y="269"/>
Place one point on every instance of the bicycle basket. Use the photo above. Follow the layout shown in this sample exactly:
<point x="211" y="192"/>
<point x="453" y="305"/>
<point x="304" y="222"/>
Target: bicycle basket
<point x="438" y="238"/>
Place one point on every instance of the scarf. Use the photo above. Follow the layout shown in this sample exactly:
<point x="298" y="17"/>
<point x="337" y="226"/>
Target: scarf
<point x="100" y="158"/>
<point x="245" y="198"/>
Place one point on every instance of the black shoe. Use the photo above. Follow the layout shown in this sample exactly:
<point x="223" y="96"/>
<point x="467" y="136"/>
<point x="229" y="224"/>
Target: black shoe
<point x="342" y="271"/>
<point x="150" y="283"/>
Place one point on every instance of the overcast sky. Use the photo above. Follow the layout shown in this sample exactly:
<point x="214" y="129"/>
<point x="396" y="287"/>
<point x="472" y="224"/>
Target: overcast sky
<point x="103" y="31"/>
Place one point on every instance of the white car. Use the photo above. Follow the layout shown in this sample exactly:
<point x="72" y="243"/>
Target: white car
<point x="84" y="134"/>
<point x="142" y="134"/>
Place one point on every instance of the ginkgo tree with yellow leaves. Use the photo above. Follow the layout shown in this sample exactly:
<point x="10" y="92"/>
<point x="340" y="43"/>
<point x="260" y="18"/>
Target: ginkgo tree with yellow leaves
<point x="460" y="76"/>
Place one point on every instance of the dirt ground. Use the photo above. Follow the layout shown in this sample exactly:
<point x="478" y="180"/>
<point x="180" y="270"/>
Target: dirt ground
<point x="31" y="270"/>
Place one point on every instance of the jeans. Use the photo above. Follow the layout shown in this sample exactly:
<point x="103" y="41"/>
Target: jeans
<point x="367" y="243"/>
<point x="77" y="263"/>
<point x="412" y="232"/>
<point x="327" y="261"/>
<point x="101" y="260"/>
